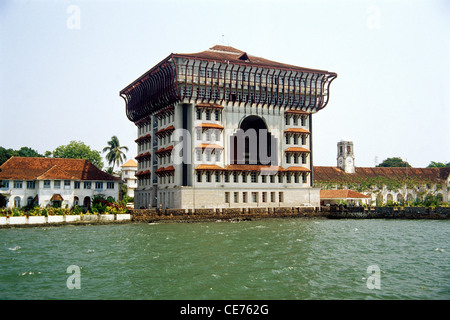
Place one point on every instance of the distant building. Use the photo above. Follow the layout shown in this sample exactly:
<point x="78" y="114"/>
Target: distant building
<point x="129" y="170"/>
<point x="382" y="184"/>
<point x="222" y="128"/>
<point x="333" y="197"/>
<point x="53" y="181"/>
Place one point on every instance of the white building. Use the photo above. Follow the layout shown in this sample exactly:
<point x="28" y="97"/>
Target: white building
<point x="383" y="184"/>
<point x="129" y="170"/>
<point x="52" y="181"/>
<point x="222" y="128"/>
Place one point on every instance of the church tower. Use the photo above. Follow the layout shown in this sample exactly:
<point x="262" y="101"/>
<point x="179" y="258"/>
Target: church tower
<point x="345" y="156"/>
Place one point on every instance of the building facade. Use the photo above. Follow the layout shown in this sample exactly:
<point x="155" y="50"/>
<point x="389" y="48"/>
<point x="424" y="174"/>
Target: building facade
<point x="383" y="184"/>
<point x="27" y="181"/>
<point x="222" y="128"/>
<point x="128" y="175"/>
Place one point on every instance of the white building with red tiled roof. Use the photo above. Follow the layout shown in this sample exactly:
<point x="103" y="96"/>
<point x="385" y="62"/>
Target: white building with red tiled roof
<point x="222" y="128"/>
<point x="54" y="181"/>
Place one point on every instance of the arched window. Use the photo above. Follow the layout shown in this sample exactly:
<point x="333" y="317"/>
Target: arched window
<point x="17" y="202"/>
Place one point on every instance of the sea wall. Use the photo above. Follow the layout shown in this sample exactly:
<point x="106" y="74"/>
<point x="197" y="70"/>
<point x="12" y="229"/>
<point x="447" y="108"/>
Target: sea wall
<point x="23" y="221"/>
<point x="389" y="213"/>
<point x="189" y="215"/>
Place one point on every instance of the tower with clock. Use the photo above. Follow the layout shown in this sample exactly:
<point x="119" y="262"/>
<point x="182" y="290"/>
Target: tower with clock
<point x="345" y="156"/>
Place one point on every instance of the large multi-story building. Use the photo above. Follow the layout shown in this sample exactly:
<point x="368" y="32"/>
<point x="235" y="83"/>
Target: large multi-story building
<point x="223" y="128"/>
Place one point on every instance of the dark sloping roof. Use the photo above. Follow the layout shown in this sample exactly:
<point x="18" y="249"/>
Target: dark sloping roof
<point x="29" y="168"/>
<point x="335" y="173"/>
<point x="232" y="55"/>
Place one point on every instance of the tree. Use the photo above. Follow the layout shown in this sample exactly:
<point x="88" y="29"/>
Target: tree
<point x="115" y="154"/>
<point x="394" y="162"/>
<point x="438" y="165"/>
<point x="78" y="150"/>
<point x="5" y="154"/>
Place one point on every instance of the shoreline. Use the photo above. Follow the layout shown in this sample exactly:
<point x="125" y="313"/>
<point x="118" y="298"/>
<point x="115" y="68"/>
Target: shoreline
<point x="228" y="215"/>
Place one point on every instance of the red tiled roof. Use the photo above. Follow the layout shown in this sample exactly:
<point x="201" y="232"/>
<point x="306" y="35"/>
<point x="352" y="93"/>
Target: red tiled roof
<point x="164" y="130"/>
<point x="56" y="197"/>
<point x="208" y="146"/>
<point x="335" y="173"/>
<point x="341" y="194"/>
<point x="209" y="105"/>
<point x="209" y="126"/>
<point x="298" y="169"/>
<point x="296" y="149"/>
<point x="232" y="55"/>
<point x="252" y="167"/>
<point x="29" y="168"/>
<point x="209" y="167"/>
<point x="296" y="130"/>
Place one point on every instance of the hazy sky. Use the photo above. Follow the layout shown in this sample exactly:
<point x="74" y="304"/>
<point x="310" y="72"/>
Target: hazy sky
<point x="63" y="63"/>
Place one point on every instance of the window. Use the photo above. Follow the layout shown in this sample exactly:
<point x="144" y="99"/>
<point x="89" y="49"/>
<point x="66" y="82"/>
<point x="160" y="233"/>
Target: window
<point x="272" y="197"/>
<point x="199" y="155"/>
<point x="295" y="120"/>
<point x="57" y="184"/>
<point x="66" y="184"/>
<point x="280" y="197"/>
<point x="236" y="197"/>
<point x="264" y="197"/>
<point x="208" y="114"/>
<point x="296" y="139"/>
<point x="227" y="197"/>
<point x="296" y="158"/>
<point x="254" y="196"/>
<point x="4" y="184"/>
<point x="217" y="155"/>
<point x="99" y="185"/>
<point x="244" y="177"/>
<point x="217" y="176"/>
<point x="244" y="197"/>
<point x="110" y="185"/>
<point x="199" y="134"/>
<point x="217" y="115"/>
<point x="288" y="158"/>
<point x="199" y="114"/>
<point x="208" y="176"/>
<point x="226" y="176"/>
<point x="46" y="184"/>
<point x="199" y="177"/>
<point x="296" y="178"/>
<point x="254" y="177"/>
<point x="280" y="178"/>
<point x="303" y="158"/>
<point x="87" y="185"/>
<point x="264" y="178"/>
<point x="17" y="184"/>
<point x="17" y="202"/>
<point x="272" y="178"/>
<point x="288" y="177"/>
<point x="287" y="120"/>
<point x="77" y="185"/>
<point x="31" y="184"/>
<point x="303" y="139"/>
<point x="208" y="135"/>
<point x="288" y="139"/>
<point x="304" y="177"/>
<point x="303" y="121"/>
<point x="208" y="155"/>
<point x="235" y="177"/>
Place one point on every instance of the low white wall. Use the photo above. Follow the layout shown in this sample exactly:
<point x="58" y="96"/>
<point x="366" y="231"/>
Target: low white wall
<point x="40" y="220"/>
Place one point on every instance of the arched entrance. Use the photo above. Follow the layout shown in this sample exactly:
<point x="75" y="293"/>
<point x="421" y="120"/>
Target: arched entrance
<point x="87" y="203"/>
<point x="253" y="143"/>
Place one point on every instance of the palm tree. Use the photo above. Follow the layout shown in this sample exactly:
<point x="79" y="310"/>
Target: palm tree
<point x="115" y="154"/>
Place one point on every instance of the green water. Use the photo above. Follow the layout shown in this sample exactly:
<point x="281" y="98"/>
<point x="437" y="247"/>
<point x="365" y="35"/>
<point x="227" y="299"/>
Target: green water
<point x="266" y="259"/>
